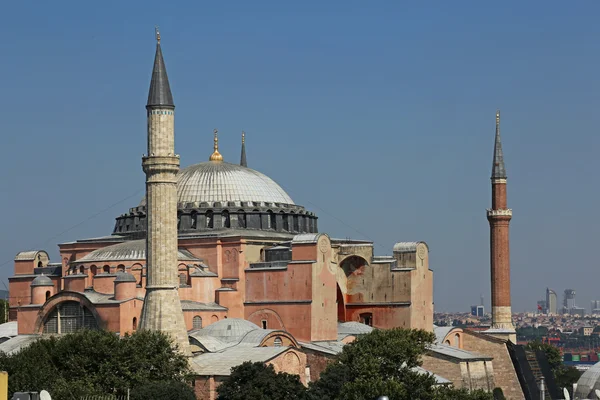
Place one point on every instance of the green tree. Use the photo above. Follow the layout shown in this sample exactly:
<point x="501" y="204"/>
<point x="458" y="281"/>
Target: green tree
<point x="564" y="376"/>
<point x="552" y="353"/>
<point x="255" y="381"/>
<point x="498" y="394"/>
<point x="169" y="390"/>
<point x="382" y="363"/>
<point x="94" y="363"/>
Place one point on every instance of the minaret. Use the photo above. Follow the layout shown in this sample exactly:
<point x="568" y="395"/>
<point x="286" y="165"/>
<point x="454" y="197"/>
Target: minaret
<point x="499" y="217"/>
<point x="243" y="162"/>
<point x="162" y="309"/>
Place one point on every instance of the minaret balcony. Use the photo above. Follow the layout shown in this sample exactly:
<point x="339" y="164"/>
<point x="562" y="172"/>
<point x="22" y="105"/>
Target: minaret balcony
<point x="499" y="213"/>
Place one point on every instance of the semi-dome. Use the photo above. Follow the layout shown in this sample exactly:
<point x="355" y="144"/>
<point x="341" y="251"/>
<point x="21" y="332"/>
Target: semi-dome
<point x="588" y="383"/>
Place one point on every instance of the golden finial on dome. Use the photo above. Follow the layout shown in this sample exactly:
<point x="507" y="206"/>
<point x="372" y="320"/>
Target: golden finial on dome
<point x="216" y="156"/>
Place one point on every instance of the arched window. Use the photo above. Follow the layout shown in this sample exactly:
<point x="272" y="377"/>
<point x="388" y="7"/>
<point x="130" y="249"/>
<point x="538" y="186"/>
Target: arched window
<point x="94" y="270"/>
<point x="178" y="220"/>
<point x="197" y="322"/>
<point x="121" y="268"/>
<point x="134" y="323"/>
<point x="367" y="319"/>
<point x="277" y="342"/>
<point x="40" y="265"/>
<point x="225" y="219"/>
<point x="209" y="219"/>
<point x="272" y="220"/>
<point x="82" y="270"/>
<point x="296" y="226"/>
<point x="106" y="269"/>
<point x="194" y="219"/>
<point x="47" y="295"/>
<point x="69" y="317"/>
<point x="241" y="219"/>
<point x="456" y="340"/>
<point x="286" y="222"/>
<point x="182" y="280"/>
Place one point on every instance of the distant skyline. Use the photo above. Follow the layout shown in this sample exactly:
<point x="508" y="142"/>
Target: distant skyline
<point x="377" y="117"/>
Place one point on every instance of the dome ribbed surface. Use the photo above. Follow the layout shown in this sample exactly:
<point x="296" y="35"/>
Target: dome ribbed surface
<point x="222" y="182"/>
<point x="42" y="280"/>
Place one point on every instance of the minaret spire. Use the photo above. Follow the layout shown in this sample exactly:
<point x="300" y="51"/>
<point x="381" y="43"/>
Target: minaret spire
<point x="498" y="170"/>
<point x="160" y="91"/>
<point x="243" y="161"/>
<point x="216" y="156"/>
<point x="499" y="216"/>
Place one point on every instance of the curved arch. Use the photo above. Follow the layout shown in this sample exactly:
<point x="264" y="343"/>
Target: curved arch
<point x="266" y="312"/>
<point x="280" y="334"/>
<point x="63" y="297"/>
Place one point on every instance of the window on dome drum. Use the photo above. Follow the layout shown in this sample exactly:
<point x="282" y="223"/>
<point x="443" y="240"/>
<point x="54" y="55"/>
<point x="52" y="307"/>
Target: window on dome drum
<point x="277" y="342"/>
<point x="178" y="220"/>
<point x="286" y="222"/>
<point x="106" y="269"/>
<point x="121" y="268"/>
<point x="272" y="220"/>
<point x="226" y="220"/>
<point x="194" y="220"/>
<point x="367" y="319"/>
<point x="209" y="219"/>
<point x="296" y="223"/>
<point x="241" y="219"/>
<point x="182" y="280"/>
<point x="82" y="270"/>
<point x="197" y="322"/>
<point x="69" y="317"/>
<point x="94" y="270"/>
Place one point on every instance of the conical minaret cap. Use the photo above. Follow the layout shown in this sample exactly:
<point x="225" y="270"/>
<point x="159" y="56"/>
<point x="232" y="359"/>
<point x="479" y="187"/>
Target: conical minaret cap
<point x="498" y="170"/>
<point x="160" y="91"/>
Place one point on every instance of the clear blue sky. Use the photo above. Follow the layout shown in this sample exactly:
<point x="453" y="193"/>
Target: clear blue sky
<point x="377" y="116"/>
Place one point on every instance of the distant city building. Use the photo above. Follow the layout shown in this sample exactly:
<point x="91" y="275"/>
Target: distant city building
<point x="595" y="307"/>
<point x="587" y="330"/>
<point x="551" y="302"/>
<point x="577" y="311"/>
<point x="568" y="301"/>
<point x="477" y="311"/>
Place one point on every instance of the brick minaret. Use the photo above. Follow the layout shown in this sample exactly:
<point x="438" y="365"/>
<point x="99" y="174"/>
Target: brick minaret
<point x="162" y="308"/>
<point x="499" y="217"/>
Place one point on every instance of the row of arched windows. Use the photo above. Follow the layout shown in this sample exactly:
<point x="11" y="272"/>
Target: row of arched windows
<point x="226" y="220"/>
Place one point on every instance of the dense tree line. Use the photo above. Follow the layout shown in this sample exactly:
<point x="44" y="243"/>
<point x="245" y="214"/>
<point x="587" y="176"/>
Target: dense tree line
<point x="380" y="363"/>
<point x="89" y="363"/>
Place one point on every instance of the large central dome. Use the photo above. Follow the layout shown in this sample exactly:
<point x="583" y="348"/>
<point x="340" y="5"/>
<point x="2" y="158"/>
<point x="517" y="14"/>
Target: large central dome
<point x="214" y="181"/>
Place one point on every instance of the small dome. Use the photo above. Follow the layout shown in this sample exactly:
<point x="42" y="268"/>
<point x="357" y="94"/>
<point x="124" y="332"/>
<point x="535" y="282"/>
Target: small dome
<point x="228" y="329"/>
<point x="589" y="381"/>
<point x="42" y="280"/>
<point x="124" y="277"/>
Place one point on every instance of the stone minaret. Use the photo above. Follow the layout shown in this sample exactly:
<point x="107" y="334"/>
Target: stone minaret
<point x="162" y="308"/>
<point x="499" y="217"/>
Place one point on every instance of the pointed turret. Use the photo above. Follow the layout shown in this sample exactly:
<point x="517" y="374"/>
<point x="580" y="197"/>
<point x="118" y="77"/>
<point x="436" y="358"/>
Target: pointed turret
<point x="498" y="170"/>
<point x="243" y="162"/>
<point x="160" y="91"/>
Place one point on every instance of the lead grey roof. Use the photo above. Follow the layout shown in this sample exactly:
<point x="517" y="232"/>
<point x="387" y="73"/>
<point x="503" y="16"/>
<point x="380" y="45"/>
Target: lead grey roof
<point x="329" y="347"/>
<point x="189" y="305"/>
<point x="220" y="363"/>
<point x="125" y="277"/>
<point x="129" y="250"/>
<point x="42" y="280"/>
<point x="353" y="328"/>
<point x="9" y="329"/>
<point x="498" y="170"/>
<point x="439" y="380"/>
<point x="160" y="91"/>
<point x="213" y="181"/>
<point x="306" y="238"/>
<point x="457" y="353"/>
<point x="227" y="330"/>
<point x="28" y="255"/>
<point x="441" y="332"/>
<point x="589" y="381"/>
<point x="405" y="247"/>
<point x="15" y="344"/>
